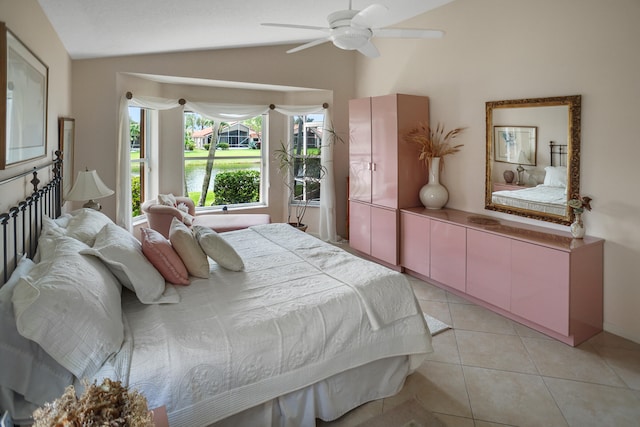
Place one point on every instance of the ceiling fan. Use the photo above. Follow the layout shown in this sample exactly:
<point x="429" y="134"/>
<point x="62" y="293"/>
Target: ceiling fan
<point x="353" y="30"/>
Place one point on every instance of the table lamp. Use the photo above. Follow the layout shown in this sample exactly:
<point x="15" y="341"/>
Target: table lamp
<point x="89" y="186"/>
<point x="522" y="158"/>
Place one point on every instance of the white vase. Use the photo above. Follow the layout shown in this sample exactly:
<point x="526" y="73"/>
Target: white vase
<point x="434" y="195"/>
<point x="577" y="227"/>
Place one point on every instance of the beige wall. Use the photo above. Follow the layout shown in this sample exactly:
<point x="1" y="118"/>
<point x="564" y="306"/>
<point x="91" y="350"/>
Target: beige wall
<point x="505" y="49"/>
<point x="99" y="83"/>
<point x="27" y="21"/>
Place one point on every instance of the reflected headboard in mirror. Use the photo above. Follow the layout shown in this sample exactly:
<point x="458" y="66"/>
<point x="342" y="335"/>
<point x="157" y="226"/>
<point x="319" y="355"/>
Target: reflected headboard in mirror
<point x="533" y="157"/>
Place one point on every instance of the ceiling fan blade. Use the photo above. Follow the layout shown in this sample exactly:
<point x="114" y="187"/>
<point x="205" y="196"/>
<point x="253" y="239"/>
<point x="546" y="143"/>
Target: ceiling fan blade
<point x="369" y="50"/>
<point x="303" y="27"/>
<point x="373" y="16"/>
<point x="408" y="33"/>
<point x="310" y="44"/>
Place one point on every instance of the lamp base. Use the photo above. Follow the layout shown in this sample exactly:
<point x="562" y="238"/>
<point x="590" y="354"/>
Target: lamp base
<point x="92" y="204"/>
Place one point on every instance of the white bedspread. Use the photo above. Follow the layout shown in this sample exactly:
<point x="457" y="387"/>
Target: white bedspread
<point x="542" y="198"/>
<point x="302" y="310"/>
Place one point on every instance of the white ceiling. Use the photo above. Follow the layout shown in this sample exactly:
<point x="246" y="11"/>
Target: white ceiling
<point x="101" y="28"/>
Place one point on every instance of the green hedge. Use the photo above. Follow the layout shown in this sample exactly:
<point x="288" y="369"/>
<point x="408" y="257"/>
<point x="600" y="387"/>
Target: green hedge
<point x="237" y="187"/>
<point x="135" y="195"/>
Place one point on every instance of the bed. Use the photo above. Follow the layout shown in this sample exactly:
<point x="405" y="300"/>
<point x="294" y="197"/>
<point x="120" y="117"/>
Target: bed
<point x="542" y="198"/>
<point x="549" y="197"/>
<point x="281" y="329"/>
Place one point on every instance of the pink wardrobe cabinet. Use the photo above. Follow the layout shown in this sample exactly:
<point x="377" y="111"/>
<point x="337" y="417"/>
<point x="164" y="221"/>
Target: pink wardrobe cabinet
<point x="385" y="174"/>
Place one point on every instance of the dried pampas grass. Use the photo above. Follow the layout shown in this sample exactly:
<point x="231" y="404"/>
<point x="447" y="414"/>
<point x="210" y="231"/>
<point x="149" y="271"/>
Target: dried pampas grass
<point x="434" y="143"/>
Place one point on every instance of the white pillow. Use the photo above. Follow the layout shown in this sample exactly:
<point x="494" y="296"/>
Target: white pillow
<point x="186" y="245"/>
<point x="218" y="249"/>
<point x="167" y="199"/>
<point x="184" y="210"/>
<point x="86" y="225"/>
<point x="63" y="220"/>
<point x="25" y="265"/>
<point x="70" y="306"/>
<point x="26" y="368"/>
<point x="122" y="254"/>
<point x="51" y="228"/>
<point x="556" y="176"/>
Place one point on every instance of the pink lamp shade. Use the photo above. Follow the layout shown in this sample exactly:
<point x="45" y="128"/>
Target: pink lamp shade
<point x="89" y="186"/>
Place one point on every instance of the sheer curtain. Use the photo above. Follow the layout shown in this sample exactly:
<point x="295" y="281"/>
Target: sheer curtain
<point x="123" y="179"/>
<point x="327" y="225"/>
<point x="226" y="112"/>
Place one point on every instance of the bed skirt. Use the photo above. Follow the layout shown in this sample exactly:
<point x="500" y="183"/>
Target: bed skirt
<point x="328" y="399"/>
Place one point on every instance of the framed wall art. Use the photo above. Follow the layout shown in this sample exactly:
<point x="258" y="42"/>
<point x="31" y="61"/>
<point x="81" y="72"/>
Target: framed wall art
<point x="23" y="115"/>
<point x="515" y="144"/>
<point x="66" y="140"/>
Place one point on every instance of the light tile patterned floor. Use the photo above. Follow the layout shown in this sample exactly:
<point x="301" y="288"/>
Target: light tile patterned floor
<point x="489" y="371"/>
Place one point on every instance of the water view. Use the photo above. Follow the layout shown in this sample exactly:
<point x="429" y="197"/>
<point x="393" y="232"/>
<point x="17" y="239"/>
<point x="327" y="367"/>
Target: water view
<point x="195" y="171"/>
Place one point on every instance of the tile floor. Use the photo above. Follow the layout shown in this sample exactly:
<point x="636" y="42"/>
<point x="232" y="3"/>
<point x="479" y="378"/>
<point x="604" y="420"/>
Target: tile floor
<point x="490" y="371"/>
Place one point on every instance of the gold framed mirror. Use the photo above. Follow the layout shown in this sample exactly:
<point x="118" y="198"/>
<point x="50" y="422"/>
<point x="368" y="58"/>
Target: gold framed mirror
<point x="533" y="157"/>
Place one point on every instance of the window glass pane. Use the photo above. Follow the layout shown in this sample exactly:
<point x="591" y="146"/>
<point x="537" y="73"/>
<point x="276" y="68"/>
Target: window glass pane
<point x="230" y="174"/>
<point x="134" y="131"/>
<point x="137" y="151"/>
<point x="305" y="148"/>
<point x="313" y="191"/>
<point x="136" y="189"/>
<point x="313" y="168"/>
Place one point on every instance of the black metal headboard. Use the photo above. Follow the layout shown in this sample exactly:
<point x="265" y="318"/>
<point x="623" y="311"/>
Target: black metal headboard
<point x="558" y="153"/>
<point x="20" y="225"/>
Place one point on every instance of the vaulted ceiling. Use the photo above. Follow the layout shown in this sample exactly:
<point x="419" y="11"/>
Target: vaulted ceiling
<point x="102" y="28"/>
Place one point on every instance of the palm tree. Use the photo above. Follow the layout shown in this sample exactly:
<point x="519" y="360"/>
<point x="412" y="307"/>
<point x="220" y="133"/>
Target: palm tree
<point x="211" y="156"/>
<point x="134" y="131"/>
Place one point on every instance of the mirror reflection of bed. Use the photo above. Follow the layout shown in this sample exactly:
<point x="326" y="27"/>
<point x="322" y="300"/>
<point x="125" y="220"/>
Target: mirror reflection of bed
<point x="549" y="197"/>
<point x="533" y="157"/>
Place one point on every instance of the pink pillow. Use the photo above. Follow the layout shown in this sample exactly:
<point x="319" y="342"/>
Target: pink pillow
<point x="164" y="258"/>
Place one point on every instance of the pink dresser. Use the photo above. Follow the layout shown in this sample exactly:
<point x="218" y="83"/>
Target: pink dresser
<point x="542" y="278"/>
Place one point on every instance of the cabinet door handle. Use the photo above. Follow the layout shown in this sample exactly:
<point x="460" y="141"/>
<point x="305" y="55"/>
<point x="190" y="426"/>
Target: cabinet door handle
<point x="373" y="167"/>
<point x="369" y="166"/>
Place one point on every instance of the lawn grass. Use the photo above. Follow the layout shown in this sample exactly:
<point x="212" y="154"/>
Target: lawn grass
<point x="243" y="155"/>
<point x="222" y="154"/>
<point x="195" y="196"/>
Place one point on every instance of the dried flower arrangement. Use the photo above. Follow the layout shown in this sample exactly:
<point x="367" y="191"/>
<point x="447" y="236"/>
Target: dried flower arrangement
<point x="108" y="404"/>
<point x="434" y="143"/>
<point x="580" y="204"/>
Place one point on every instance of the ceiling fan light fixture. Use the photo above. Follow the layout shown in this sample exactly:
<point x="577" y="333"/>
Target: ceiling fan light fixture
<point x="349" y="43"/>
<point x="349" y="38"/>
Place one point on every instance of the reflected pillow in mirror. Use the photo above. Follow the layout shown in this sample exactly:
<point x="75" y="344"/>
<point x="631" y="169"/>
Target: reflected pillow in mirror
<point x="556" y="176"/>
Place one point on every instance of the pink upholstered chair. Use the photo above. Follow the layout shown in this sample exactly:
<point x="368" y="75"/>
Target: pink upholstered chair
<point x="159" y="217"/>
